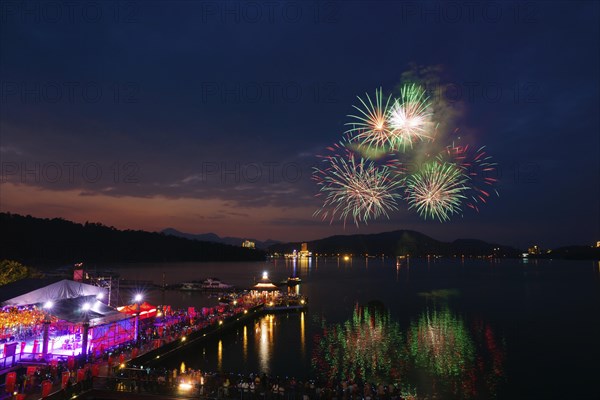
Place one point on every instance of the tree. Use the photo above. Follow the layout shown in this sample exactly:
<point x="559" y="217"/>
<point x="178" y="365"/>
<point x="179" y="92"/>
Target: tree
<point x="11" y="271"/>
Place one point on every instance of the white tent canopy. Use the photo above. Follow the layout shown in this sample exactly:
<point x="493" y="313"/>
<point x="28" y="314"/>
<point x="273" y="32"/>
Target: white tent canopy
<point x="57" y="291"/>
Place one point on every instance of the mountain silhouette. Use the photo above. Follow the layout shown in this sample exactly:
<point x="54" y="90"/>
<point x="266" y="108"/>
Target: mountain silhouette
<point x="212" y="237"/>
<point x="396" y="243"/>
<point x="35" y="240"/>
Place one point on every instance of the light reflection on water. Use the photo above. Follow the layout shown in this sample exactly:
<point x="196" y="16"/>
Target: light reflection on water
<point x="220" y="355"/>
<point x="438" y="354"/>
<point x="484" y="327"/>
<point x="366" y="347"/>
<point x="245" y="344"/>
<point x="467" y="361"/>
<point x="264" y="338"/>
<point x="302" y="336"/>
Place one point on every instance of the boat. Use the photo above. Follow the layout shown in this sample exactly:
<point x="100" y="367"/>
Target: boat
<point x="209" y="284"/>
<point x="293" y="281"/>
<point x="191" y="286"/>
<point x="215" y="284"/>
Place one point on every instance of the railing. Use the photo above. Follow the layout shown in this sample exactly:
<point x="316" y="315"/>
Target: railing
<point x="152" y="387"/>
<point x="67" y="393"/>
<point x="214" y="390"/>
<point x="146" y="386"/>
<point x="11" y="361"/>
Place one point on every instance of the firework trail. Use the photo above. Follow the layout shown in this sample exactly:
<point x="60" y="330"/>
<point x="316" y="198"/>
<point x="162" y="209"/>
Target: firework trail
<point x="437" y="190"/>
<point x="409" y="118"/>
<point x="353" y="186"/>
<point x="366" y="173"/>
<point x="371" y="126"/>
<point x="481" y="170"/>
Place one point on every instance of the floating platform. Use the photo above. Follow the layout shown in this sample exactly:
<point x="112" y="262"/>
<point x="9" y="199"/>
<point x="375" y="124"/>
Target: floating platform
<point x="284" y="307"/>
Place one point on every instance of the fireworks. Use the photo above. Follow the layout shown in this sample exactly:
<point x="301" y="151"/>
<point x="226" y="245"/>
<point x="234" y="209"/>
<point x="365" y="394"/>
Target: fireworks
<point x="393" y="124"/>
<point x="371" y="125"/>
<point x="409" y="118"/>
<point x="355" y="187"/>
<point x="364" y="179"/>
<point x="478" y="166"/>
<point x="437" y="191"/>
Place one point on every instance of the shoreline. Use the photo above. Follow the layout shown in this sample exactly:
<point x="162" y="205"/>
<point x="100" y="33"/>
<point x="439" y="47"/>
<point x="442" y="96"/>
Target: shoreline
<point x="146" y="353"/>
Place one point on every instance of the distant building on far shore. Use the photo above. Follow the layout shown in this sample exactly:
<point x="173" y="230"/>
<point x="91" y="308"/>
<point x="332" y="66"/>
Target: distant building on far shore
<point x="534" y="250"/>
<point x="249" y="244"/>
<point x="304" y="253"/>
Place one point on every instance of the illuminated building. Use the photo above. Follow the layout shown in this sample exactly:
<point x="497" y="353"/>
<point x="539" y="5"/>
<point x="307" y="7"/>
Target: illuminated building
<point x="265" y="283"/>
<point x="249" y="244"/>
<point x="265" y="289"/>
<point x="534" y="250"/>
<point x="304" y="253"/>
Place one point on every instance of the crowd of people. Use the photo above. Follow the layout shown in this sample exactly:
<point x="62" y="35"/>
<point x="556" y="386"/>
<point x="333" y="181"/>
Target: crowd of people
<point x="153" y="333"/>
<point x="20" y="323"/>
<point x="122" y="376"/>
<point x="194" y="383"/>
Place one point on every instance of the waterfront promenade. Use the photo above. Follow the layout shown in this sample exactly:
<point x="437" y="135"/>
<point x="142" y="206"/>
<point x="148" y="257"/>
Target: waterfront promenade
<point x="157" y="383"/>
<point x="132" y="384"/>
<point x="76" y="374"/>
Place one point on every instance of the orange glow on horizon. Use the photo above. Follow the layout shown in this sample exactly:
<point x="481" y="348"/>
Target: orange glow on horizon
<point x="157" y="213"/>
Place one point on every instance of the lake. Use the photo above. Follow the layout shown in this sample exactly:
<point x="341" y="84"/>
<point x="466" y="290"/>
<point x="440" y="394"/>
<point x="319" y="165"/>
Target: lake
<point x="457" y="328"/>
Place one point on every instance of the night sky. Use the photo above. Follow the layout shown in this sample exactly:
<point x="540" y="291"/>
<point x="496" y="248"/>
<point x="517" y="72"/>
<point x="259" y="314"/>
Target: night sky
<point x="208" y="116"/>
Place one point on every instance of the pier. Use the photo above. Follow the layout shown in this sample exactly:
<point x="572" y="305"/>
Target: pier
<point x="88" y="380"/>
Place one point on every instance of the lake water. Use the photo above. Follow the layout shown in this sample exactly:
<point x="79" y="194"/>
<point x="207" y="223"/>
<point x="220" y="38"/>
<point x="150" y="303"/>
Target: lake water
<point x="461" y="329"/>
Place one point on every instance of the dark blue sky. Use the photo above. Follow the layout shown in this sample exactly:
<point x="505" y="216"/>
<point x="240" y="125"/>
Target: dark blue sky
<point x="207" y="116"/>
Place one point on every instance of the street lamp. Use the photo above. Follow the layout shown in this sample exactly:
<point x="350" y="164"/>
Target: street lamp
<point x="86" y="328"/>
<point x="47" y="307"/>
<point x="137" y="299"/>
